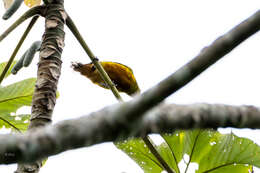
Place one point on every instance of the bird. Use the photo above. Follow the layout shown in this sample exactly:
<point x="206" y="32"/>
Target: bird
<point x="121" y="75"/>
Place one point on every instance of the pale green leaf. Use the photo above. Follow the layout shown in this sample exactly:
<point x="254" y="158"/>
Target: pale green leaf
<point x="2" y="66"/>
<point x="138" y="151"/>
<point x="20" y="122"/>
<point x="16" y="95"/>
<point x="212" y="151"/>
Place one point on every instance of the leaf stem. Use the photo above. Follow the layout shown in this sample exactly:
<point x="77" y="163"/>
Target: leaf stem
<point x="10" y="124"/>
<point x="173" y="154"/>
<point x="31" y="12"/>
<point x="19" y="44"/>
<point x="220" y="166"/>
<point x="103" y="74"/>
<point x="153" y="150"/>
<point x="106" y="78"/>
<point x="192" y="150"/>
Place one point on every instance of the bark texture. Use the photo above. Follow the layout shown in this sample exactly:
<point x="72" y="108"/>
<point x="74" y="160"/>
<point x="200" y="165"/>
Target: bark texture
<point x="49" y="66"/>
<point x="103" y="126"/>
<point x="49" y="69"/>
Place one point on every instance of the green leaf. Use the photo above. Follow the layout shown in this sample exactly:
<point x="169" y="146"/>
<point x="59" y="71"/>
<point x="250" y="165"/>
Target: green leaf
<point x="215" y="152"/>
<point x="138" y="151"/>
<point x="16" y="95"/>
<point x="2" y="66"/>
<point x="212" y="151"/>
<point x="179" y="148"/>
<point x="13" y="97"/>
<point x="232" y="168"/>
<point x="20" y="122"/>
<point x="168" y="156"/>
<point x="227" y="151"/>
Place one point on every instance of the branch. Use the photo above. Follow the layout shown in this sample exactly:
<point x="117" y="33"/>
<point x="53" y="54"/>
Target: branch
<point x="117" y="122"/>
<point x="18" y="46"/>
<point x="101" y="70"/>
<point x="103" y="126"/>
<point x="208" y="56"/>
<point x="38" y="10"/>
<point x="112" y="87"/>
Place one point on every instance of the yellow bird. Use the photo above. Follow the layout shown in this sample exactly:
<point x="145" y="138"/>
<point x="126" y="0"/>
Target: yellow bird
<point x="121" y="75"/>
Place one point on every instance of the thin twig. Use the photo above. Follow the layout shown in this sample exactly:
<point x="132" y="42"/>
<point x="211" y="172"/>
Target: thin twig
<point x="19" y="44"/>
<point x="31" y="12"/>
<point x="101" y="70"/>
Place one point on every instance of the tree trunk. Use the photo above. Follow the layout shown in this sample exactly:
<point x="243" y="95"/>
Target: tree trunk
<point x="49" y="69"/>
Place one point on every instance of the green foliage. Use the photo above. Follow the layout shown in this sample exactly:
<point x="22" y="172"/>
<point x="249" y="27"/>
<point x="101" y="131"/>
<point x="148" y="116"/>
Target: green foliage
<point x="2" y="66"/>
<point x="212" y="151"/>
<point x="13" y="97"/>
<point x="16" y="95"/>
<point x="139" y="152"/>
<point x="20" y="122"/>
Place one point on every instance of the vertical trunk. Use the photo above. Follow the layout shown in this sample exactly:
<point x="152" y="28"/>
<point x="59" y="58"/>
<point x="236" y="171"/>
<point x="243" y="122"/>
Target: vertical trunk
<point x="49" y="68"/>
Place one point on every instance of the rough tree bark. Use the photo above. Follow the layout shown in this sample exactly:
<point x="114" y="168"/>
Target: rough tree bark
<point x="103" y="126"/>
<point x="48" y="74"/>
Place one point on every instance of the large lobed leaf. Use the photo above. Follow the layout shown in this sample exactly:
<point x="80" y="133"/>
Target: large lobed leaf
<point x="212" y="151"/>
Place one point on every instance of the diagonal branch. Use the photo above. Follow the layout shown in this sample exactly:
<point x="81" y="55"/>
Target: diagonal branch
<point x="94" y="60"/>
<point x="208" y="56"/>
<point x="38" y="10"/>
<point x="18" y="46"/>
<point x="103" y="126"/>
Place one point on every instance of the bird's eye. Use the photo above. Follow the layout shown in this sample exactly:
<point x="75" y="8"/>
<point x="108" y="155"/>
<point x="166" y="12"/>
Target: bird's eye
<point x="93" y="68"/>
